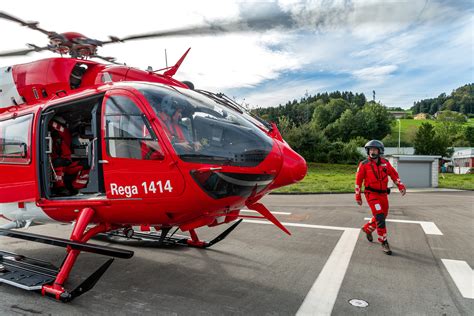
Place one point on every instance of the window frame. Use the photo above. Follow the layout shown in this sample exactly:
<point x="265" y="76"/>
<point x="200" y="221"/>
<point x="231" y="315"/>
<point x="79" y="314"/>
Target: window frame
<point x="151" y="138"/>
<point x="20" y="160"/>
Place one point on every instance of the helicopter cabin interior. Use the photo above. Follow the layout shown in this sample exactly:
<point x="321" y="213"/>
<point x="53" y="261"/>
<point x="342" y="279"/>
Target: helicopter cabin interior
<point x="70" y="149"/>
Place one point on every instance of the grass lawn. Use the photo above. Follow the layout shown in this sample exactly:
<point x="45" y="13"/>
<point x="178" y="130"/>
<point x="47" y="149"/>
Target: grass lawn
<point x="456" y="181"/>
<point x="409" y="128"/>
<point x="324" y="177"/>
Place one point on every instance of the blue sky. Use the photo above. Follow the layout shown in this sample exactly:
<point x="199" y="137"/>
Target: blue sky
<point x="410" y="51"/>
<point x="404" y="50"/>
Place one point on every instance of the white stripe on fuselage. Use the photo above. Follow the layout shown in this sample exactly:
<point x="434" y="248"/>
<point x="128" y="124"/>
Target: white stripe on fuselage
<point x="30" y="212"/>
<point x="8" y="88"/>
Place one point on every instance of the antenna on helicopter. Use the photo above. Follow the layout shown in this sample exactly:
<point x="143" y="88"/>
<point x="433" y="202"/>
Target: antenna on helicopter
<point x="166" y="59"/>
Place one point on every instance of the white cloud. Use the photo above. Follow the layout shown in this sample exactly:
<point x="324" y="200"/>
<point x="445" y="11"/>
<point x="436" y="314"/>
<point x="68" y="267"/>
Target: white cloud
<point x="281" y="94"/>
<point x="378" y="45"/>
<point x="375" y="73"/>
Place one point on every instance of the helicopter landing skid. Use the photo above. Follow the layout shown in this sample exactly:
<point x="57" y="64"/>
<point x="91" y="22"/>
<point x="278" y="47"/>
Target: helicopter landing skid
<point x="35" y="275"/>
<point x="25" y="273"/>
<point x="158" y="240"/>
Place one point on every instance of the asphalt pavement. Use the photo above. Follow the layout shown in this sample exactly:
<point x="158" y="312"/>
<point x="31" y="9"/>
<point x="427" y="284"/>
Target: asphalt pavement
<point x="326" y="267"/>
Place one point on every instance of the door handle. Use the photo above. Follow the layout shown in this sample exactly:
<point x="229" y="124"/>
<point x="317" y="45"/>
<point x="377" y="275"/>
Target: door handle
<point x="103" y="161"/>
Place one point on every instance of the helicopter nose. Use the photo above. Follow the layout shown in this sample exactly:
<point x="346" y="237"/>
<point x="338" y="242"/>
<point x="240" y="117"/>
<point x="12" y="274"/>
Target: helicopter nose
<point x="293" y="168"/>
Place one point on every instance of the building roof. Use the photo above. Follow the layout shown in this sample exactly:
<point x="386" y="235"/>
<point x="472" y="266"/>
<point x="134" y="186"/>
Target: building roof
<point x="397" y="112"/>
<point x="390" y="151"/>
<point x="416" y="157"/>
<point x="465" y="153"/>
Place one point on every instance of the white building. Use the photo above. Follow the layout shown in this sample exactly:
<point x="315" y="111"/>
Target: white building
<point x="463" y="161"/>
<point x="416" y="171"/>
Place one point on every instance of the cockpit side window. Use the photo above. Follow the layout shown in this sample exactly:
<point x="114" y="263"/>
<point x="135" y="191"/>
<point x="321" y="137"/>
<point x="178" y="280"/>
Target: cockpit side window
<point x="128" y="132"/>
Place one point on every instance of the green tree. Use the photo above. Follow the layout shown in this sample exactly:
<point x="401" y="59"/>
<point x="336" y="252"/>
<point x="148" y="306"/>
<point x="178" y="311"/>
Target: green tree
<point x="460" y="100"/>
<point x="373" y="121"/>
<point x="378" y="121"/>
<point x="340" y="152"/>
<point x="343" y="128"/>
<point x="284" y="125"/>
<point x="325" y="114"/>
<point x="469" y="135"/>
<point x="308" y="141"/>
<point x="428" y="142"/>
<point x="450" y="127"/>
<point x="451" y="116"/>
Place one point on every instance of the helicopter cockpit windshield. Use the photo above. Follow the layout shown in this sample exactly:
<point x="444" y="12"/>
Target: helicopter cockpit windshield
<point x="204" y="131"/>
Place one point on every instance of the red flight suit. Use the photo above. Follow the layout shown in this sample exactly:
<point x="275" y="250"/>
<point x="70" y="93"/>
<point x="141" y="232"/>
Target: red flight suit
<point x="374" y="174"/>
<point x="61" y="159"/>
<point x="172" y="129"/>
<point x="149" y="148"/>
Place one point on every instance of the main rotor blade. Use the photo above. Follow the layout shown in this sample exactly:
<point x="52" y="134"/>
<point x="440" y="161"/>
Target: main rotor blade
<point x="23" y="51"/>
<point x="313" y="18"/>
<point x="31" y="25"/>
<point x="240" y="26"/>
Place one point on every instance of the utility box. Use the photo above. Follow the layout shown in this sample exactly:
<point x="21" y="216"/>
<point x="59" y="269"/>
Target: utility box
<point x="416" y="171"/>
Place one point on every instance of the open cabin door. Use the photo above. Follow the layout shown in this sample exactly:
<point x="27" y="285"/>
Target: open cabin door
<point x="18" y="180"/>
<point x="135" y="163"/>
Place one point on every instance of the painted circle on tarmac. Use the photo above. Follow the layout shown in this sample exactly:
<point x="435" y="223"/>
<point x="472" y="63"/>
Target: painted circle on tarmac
<point x="358" y="303"/>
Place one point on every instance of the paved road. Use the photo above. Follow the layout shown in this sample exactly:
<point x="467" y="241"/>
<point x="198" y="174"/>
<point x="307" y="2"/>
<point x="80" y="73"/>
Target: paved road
<point x="260" y="271"/>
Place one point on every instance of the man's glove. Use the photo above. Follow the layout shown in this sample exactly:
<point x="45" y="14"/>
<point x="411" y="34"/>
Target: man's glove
<point x="402" y="188"/>
<point x="358" y="196"/>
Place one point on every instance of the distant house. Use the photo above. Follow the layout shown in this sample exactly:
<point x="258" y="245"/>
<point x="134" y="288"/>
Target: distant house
<point x="398" y="114"/>
<point x="463" y="161"/>
<point x="421" y="116"/>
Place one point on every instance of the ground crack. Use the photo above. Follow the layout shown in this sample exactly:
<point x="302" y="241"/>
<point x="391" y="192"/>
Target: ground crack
<point x="32" y="311"/>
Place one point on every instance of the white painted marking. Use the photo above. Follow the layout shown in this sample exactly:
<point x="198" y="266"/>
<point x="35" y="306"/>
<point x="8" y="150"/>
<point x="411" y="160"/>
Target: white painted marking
<point x="429" y="228"/>
<point x="462" y="275"/>
<point x="299" y="225"/>
<point x="30" y="212"/>
<point x="8" y="88"/>
<point x="322" y="296"/>
<point x="275" y="213"/>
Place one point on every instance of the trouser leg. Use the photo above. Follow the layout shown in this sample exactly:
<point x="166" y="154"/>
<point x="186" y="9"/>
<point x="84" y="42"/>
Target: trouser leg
<point x="379" y="206"/>
<point x="383" y="199"/>
<point x="370" y="226"/>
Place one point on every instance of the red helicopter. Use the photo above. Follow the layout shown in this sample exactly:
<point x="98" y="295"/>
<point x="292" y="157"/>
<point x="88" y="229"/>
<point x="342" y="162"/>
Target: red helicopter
<point x="109" y="147"/>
